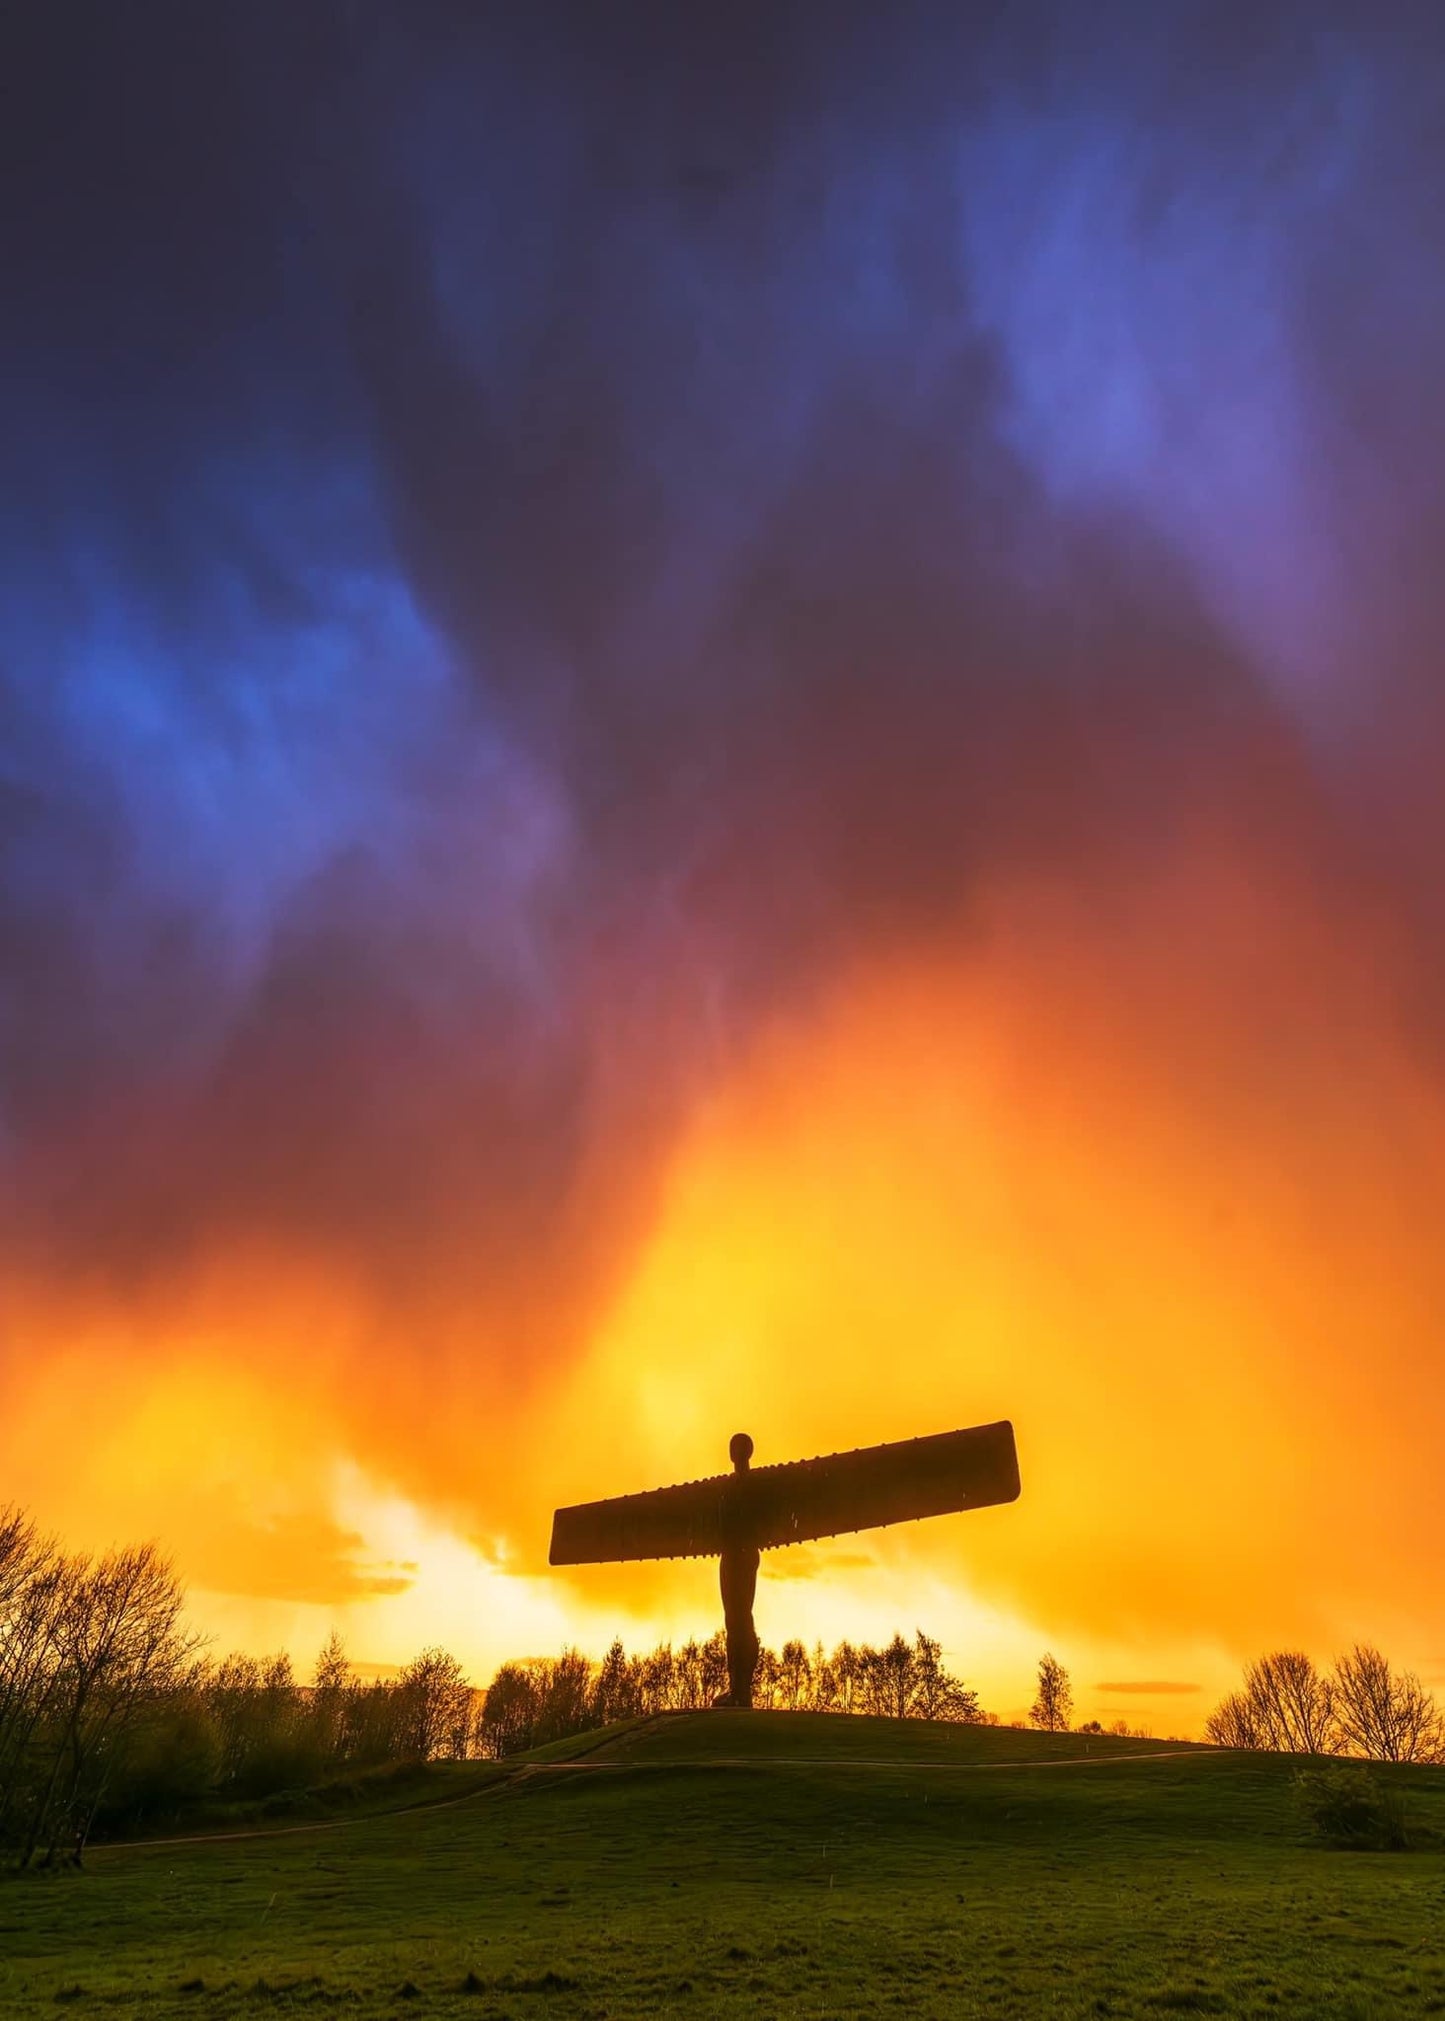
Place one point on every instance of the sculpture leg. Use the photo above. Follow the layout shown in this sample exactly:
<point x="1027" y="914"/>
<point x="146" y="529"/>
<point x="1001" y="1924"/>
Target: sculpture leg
<point x="738" y="1577"/>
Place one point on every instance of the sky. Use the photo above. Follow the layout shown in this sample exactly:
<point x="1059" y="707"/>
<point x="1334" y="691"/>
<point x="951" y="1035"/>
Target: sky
<point x="716" y="718"/>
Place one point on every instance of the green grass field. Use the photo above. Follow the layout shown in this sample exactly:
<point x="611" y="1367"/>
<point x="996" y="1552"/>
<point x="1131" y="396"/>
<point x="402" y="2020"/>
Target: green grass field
<point x="734" y="1864"/>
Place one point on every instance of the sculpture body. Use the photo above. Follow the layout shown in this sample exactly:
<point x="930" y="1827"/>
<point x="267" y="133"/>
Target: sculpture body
<point x="733" y="1517"/>
<point x="738" y="1574"/>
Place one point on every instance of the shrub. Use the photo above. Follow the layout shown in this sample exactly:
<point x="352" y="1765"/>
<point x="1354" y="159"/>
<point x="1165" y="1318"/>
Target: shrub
<point x="1351" y="1809"/>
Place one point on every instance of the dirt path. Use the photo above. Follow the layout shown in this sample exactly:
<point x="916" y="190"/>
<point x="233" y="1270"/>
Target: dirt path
<point x="863" y="1761"/>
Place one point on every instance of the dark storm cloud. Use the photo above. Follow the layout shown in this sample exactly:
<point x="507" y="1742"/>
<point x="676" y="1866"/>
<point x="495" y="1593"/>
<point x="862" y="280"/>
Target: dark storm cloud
<point x="528" y="544"/>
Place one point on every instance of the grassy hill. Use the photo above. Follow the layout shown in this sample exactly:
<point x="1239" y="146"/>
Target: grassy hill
<point x="734" y="1864"/>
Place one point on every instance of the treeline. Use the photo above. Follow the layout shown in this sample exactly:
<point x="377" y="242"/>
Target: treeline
<point x="529" y="1704"/>
<point x="113" y="1719"/>
<point x="1363" y="1707"/>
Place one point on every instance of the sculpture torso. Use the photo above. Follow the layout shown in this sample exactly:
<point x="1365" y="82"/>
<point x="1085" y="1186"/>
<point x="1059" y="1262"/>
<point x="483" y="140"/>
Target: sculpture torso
<point x="738" y="1575"/>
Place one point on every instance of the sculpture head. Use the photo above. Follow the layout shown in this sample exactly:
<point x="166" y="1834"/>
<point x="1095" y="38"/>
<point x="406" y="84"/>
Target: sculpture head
<point x="740" y="1451"/>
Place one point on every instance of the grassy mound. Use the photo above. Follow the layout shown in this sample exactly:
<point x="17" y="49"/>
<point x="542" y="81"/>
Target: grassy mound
<point x="733" y="1864"/>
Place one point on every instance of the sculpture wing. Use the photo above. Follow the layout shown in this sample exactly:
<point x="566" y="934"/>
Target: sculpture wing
<point x="899" y="1483"/>
<point x="797" y="1501"/>
<point x="681" y="1522"/>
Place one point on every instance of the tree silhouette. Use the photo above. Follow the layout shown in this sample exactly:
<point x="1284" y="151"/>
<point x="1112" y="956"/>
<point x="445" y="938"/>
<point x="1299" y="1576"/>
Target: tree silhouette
<point x="1364" y="1708"/>
<point x="1286" y="1705"/>
<point x="1054" y="1705"/>
<point x="1385" y="1714"/>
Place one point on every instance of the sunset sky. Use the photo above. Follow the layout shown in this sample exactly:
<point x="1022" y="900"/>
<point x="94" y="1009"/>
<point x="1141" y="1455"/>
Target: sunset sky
<point x="727" y="718"/>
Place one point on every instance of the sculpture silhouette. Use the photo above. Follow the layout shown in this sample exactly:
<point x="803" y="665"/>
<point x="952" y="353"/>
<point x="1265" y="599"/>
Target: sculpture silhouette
<point x="733" y="1517"/>
<point x="738" y="1577"/>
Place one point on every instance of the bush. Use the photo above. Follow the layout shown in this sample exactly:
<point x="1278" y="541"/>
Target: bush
<point x="1351" y="1809"/>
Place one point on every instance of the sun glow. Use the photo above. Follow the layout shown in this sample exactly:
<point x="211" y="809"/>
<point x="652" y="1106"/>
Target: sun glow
<point x="960" y="1189"/>
<point x="973" y="1190"/>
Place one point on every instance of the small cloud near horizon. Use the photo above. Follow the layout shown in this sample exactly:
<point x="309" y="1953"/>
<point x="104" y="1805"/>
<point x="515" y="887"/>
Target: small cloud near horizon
<point x="1150" y="1687"/>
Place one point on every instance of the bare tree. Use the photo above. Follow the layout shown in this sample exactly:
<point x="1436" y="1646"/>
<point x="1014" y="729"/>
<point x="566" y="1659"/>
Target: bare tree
<point x="795" y="1676"/>
<point x="436" y="1707"/>
<point x="331" y="1688"/>
<point x="1054" y="1705"/>
<point x="1291" y="1703"/>
<point x="689" y="1683"/>
<point x="847" y="1674"/>
<point x="1384" y="1714"/>
<point x="617" y="1692"/>
<point x="933" y="1689"/>
<point x="509" y="1711"/>
<point x="824" y="1693"/>
<point x="19" y="1550"/>
<point x="767" y="1679"/>
<point x="117" y="1644"/>
<point x="714" y="1667"/>
<point x="1234" y="1722"/>
<point x="936" y="1693"/>
<point x="32" y="1590"/>
<point x="266" y="1723"/>
<point x="888" y="1679"/>
<point x="566" y="1696"/>
<point x="659" y="1679"/>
